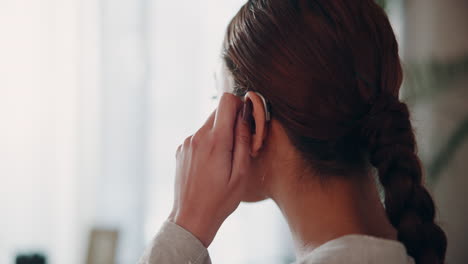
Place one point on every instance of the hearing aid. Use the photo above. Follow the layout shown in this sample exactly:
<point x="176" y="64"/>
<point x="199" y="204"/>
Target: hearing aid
<point x="248" y="108"/>
<point x="225" y="83"/>
<point x="265" y="105"/>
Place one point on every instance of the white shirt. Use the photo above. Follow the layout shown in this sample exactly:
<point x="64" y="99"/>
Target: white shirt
<point x="175" y="245"/>
<point x="358" y="249"/>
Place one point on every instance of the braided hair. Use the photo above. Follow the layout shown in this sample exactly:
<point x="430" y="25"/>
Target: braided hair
<point x="388" y="135"/>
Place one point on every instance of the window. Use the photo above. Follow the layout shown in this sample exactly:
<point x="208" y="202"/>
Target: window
<point x="95" y="97"/>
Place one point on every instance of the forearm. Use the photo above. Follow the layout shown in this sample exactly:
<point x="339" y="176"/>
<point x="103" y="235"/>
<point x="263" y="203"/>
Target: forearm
<point x="173" y="245"/>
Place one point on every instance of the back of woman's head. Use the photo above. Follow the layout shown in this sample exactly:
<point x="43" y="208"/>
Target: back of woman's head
<point x="331" y="73"/>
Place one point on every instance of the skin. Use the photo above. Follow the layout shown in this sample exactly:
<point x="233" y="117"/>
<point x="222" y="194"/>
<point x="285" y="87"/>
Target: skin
<point x="223" y="164"/>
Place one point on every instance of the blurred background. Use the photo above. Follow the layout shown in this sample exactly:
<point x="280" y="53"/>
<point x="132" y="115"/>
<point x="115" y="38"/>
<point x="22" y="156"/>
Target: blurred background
<point x="95" y="97"/>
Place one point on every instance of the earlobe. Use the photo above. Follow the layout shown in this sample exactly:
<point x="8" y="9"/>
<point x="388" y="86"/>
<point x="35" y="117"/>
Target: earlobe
<point x="259" y="121"/>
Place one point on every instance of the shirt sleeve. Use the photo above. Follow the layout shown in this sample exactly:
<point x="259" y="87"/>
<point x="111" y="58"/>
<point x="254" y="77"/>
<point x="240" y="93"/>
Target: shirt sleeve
<point x="175" y="245"/>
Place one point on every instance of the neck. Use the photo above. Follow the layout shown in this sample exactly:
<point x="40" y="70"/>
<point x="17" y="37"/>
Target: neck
<point x="318" y="212"/>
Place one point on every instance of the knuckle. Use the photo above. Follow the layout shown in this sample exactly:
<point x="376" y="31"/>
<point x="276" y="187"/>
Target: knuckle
<point x="179" y="148"/>
<point x="215" y="136"/>
<point x="195" y="141"/>
<point x="187" y="140"/>
<point x="210" y="141"/>
<point x="243" y="139"/>
<point x="199" y="136"/>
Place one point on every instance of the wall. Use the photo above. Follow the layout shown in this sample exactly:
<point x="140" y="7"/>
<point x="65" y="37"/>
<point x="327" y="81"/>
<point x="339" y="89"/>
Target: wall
<point x="38" y="86"/>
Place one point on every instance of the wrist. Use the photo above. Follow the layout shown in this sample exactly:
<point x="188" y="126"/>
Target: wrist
<point x="203" y="230"/>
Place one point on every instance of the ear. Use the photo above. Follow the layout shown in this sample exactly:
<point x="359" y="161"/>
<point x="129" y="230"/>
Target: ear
<point x="259" y="122"/>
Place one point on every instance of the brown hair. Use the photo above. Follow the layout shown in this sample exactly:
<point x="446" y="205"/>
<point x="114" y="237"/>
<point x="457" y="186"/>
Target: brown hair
<point x="331" y="73"/>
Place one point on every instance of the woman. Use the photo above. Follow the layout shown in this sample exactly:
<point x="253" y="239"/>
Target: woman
<point x="331" y="74"/>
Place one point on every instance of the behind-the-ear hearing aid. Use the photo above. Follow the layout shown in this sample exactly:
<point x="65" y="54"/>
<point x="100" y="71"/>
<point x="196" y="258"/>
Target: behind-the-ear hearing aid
<point x="265" y="105"/>
<point x="247" y="111"/>
<point x="225" y="83"/>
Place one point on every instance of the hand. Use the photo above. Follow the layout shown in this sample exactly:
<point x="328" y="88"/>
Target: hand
<point x="210" y="180"/>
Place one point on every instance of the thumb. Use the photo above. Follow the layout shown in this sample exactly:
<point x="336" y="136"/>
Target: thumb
<point x="242" y="139"/>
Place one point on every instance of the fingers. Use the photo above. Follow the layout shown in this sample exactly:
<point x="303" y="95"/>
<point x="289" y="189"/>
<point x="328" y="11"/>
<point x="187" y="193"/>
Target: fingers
<point x="225" y="118"/>
<point x="241" y="156"/>
<point x="210" y="121"/>
<point x="178" y="150"/>
<point x="184" y="145"/>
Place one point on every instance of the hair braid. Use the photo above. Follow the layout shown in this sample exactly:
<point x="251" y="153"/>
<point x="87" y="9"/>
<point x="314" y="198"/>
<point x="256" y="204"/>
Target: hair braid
<point x="410" y="208"/>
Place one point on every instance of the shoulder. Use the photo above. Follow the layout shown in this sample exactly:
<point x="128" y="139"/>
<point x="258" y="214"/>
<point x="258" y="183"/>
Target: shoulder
<point x="354" y="249"/>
